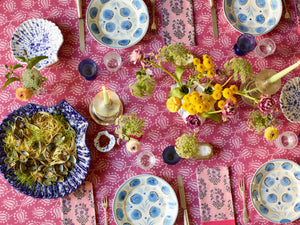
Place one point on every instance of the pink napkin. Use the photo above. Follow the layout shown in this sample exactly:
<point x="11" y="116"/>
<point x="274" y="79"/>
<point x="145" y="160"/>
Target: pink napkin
<point x="178" y="22"/>
<point x="216" y="206"/>
<point x="78" y="207"/>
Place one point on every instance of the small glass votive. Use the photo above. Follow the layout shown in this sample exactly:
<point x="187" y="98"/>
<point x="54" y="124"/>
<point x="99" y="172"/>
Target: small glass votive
<point x="146" y="160"/>
<point x="245" y="43"/>
<point x="265" y="48"/>
<point x="170" y="155"/>
<point x="112" y="61"/>
<point x="88" y="69"/>
<point x="287" y="140"/>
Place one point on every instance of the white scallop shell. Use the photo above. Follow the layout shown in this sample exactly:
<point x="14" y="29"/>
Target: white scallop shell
<point x="37" y="37"/>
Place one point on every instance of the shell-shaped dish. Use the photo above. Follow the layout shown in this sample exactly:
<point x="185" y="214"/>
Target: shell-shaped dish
<point x="75" y="177"/>
<point x="111" y="144"/>
<point x="275" y="189"/>
<point x="117" y="23"/>
<point x="37" y="37"/>
<point x="290" y="100"/>
<point x="256" y="17"/>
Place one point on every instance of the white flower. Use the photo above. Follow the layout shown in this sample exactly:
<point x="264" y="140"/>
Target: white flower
<point x="133" y="145"/>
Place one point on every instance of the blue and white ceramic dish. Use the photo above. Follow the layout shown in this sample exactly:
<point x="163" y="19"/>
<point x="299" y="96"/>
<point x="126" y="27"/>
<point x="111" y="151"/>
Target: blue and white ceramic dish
<point x="290" y="100"/>
<point x="145" y="199"/>
<point x="74" y="178"/>
<point x="275" y="191"/>
<point x="37" y="37"/>
<point x="256" y="17"/>
<point x="117" y="23"/>
<point x="111" y="144"/>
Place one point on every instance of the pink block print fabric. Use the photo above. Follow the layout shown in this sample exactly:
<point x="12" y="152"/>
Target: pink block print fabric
<point x="216" y="206"/>
<point x="78" y="207"/>
<point x="178" y="22"/>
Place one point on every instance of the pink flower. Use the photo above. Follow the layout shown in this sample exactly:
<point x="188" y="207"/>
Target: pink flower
<point x="228" y="110"/>
<point x="136" y="56"/>
<point x="148" y="57"/>
<point x="193" y="121"/>
<point x="266" y="105"/>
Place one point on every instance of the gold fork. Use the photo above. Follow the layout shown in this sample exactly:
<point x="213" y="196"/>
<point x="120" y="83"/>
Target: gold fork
<point x="242" y="188"/>
<point x="104" y="205"/>
<point x="153" y="26"/>
<point x="287" y="14"/>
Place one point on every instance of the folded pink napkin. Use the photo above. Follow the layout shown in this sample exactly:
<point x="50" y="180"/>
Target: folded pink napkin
<point x="178" y="22"/>
<point x="78" y="207"/>
<point x="216" y="206"/>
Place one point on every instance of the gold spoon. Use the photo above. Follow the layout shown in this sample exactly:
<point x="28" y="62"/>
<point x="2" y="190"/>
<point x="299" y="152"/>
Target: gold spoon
<point x="287" y="14"/>
<point x="153" y="26"/>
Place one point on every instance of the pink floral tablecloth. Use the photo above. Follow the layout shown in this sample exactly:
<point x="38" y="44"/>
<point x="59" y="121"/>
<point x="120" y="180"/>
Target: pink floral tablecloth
<point x="233" y="144"/>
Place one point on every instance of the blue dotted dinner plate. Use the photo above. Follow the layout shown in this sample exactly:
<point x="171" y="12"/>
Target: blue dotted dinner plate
<point x="75" y="177"/>
<point x="256" y="17"/>
<point x="290" y="100"/>
<point x="117" y="23"/>
<point x="275" y="191"/>
<point x="145" y="199"/>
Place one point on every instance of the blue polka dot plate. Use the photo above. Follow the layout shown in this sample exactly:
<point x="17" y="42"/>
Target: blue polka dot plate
<point x="290" y="100"/>
<point x="275" y="191"/>
<point x="145" y="199"/>
<point x="117" y="23"/>
<point x="256" y="17"/>
<point x="37" y="37"/>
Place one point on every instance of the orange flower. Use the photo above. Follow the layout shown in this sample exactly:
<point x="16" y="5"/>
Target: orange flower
<point x="23" y="94"/>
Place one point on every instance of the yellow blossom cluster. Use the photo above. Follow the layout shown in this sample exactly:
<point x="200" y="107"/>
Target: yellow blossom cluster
<point x="196" y="103"/>
<point x="206" y="68"/>
<point x="225" y="93"/>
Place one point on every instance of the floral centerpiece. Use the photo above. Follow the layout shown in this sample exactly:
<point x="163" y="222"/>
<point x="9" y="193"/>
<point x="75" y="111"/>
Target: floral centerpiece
<point x="31" y="79"/>
<point x="208" y="92"/>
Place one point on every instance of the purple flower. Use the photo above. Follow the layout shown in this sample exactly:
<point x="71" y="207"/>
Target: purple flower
<point x="266" y="105"/>
<point x="193" y="121"/>
<point x="228" y="110"/>
<point x="148" y="57"/>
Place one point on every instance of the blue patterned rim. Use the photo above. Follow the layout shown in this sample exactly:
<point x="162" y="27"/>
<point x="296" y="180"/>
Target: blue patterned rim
<point x="74" y="178"/>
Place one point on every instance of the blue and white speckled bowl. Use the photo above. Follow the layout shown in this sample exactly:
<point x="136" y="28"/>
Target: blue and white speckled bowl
<point x="117" y="23"/>
<point x="75" y="177"/>
<point x="256" y="17"/>
<point x="37" y="37"/>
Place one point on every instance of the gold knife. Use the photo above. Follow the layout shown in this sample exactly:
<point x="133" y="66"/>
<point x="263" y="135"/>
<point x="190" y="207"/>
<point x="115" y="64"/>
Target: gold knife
<point x="81" y="25"/>
<point x="182" y="199"/>
<point x="214" y="19"/>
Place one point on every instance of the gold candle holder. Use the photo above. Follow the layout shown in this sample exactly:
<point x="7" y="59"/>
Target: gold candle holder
<point x="103" y="113"/>
<point x="264" y="85"/>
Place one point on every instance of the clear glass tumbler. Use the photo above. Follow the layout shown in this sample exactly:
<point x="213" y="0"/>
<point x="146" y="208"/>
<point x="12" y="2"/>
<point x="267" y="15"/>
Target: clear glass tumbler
<point x="287" y="140"/>
<point x="146" y="160"/>
<point x="265" y="48"/>
<point x="112" y="61"/>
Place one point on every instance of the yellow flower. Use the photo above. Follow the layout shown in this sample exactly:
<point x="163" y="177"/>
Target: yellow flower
<point x="195" y="93"/>
<point x="208" y="63"/>
<point x="205" y="57"/>
<point x="185" y="106"/>
<point x="221" y="103"/>
<point x="227" y="93"/>
<point x="199" y="76"/>
<point x="206" y="106"/>
<point x="217" y="95"/>
<point x="199" y="108"/>
<point x="186" y="98"/>
<point x="234" y="88"/>
<point x="173" y="104"/>
<point x="195" y="99"/>
<point x="271" y="133"/>
<point x="201" y="68"/>
<point x="23" y="94"/>
<point x="210" y="73"/>
<point x="233" y="99"/>
<point x="192" y="110"/>
<point x="191" y="77"/>
<point x="196" y="61"/>
<point x="218" y="87"/>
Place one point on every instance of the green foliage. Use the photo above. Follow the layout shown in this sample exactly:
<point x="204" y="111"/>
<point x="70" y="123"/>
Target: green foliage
<point x="186" y="146"/>
<point x="129" y="125"/>
<point x="144" y="86"/>
<point x="257" y="122"/>
<point x="30" y="78"/>
<point x="214" y="116"/>
<point x="240" y="67"/>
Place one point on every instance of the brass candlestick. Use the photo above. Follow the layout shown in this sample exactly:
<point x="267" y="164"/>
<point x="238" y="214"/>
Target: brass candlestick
<point x="264" y="85"/>
<point x="106" y="114"/>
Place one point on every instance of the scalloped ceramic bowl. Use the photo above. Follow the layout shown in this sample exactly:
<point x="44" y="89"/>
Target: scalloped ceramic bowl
<point x="37" y="37"/>
<point x="74" y="178"/>
<point x="256" y="17"/>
